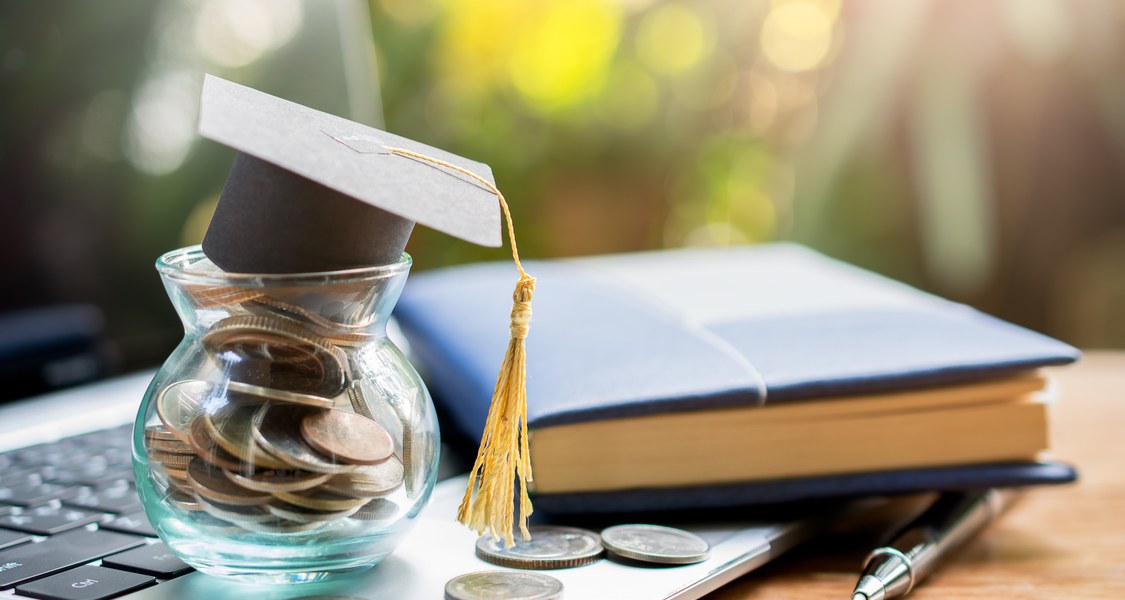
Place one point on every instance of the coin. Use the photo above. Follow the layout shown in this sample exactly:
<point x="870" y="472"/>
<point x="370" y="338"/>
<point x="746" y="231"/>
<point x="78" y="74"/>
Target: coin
<point x="231" y="427"/>
<point x="368" y="481"/>
<point x="159" y="432"/>
<point x="273" y="353"/>
<point x="379" y="509"/>
<point x="234" y="513"/>
<point x="347" y="437"/>
<point x="271" y="480"/>
<point x="550" y="547"/>
<point x="216" y="296"/>
<point x="358" y="402"/>
<point x="168" y="459"/>
<point x="259" y="392"/>
<point x="184" y="501"/>
<point x="657" y="544"/>
<point x="208" y="450"/>
<point x="320" y="500"/>
<point x="210" y="483"/>
<point x="178" y="404"/>
<point x="508" y="585"/>
<point x="341" y="334"/>
<point x="277" y="428"/>
<point x="307" y="515"/>
<point x="169" y="446"/>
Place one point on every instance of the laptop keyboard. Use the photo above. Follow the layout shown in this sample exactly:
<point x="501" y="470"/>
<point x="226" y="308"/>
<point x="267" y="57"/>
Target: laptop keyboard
<point x="71" y="524"/>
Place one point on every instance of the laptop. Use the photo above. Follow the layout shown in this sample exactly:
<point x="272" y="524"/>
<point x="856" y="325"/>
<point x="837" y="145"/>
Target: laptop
<point x="71" y="524"/>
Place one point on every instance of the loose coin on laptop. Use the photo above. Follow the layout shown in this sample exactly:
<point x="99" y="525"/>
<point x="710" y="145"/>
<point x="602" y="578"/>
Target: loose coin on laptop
<point x="656" y="544"/>
<point x="550" y="547"/>
<point x="506" y="585"/>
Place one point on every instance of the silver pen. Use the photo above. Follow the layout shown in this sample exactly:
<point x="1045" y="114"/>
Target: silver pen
<point x="893" y="570"/>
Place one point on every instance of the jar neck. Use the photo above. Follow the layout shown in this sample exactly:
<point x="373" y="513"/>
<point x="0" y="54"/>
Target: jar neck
<point x="339" y="305"/>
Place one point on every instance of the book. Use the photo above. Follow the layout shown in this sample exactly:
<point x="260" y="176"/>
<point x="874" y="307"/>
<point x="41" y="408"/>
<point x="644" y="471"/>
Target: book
<point x="673" y="371"/>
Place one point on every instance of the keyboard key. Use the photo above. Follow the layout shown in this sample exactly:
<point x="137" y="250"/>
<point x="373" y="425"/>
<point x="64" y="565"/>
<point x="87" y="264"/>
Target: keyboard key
<point x="32" y="561"/>
<point x="152" y="559"/>
<point x="135" y="523"/>
<point x="117" y="499"/>
<point x="5" y="509"/>
<point x="12" y="538"/>
<point x="48" y="520"/>
<point x="32" y="495"/>
<point x="86" y="583"/>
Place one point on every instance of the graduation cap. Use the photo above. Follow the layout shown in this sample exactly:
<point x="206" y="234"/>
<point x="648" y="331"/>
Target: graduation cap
<point x="311" y="192"/>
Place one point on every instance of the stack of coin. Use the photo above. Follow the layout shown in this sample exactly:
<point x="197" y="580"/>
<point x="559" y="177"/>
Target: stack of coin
<point x="269" y="450"/>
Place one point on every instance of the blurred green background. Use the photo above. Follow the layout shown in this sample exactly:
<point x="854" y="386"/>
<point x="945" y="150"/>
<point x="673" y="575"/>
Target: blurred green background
<point x="974" y="149"/>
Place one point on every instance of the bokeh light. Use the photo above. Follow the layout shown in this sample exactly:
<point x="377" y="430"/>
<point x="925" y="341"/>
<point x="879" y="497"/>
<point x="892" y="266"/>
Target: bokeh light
<point x="797" y="35"/>
<point x="562" y="55"/>
<point x="673" y="38"/>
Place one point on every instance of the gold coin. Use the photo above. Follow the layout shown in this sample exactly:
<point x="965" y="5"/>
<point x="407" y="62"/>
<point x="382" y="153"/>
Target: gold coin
<point x="276" y="428"/>
<point x="168" y="446"/>
<point x="305" y="515"/>
<point x="278" y="481"/>
<point x="231" y="427"/>
<point x="178" y="404"/>
<point x="273" y="353"/>
<point x="281" y="526"/>
<point x="320" y="499"/>
<point x="159" y="432"/>
<point x="210" y="483"/>
<point x="259" y="393"/>
<point x="368" y="481"/>
<point x="347" y="437"/>
<point x="234" y="513"/>
<point x="379" y="509"/>
<point x="170" y="460"/>
<point x="216" y="296"/>
<point x="184" y="501"/>
<point x="208" y="450"/>
<point x="169" y="478"/>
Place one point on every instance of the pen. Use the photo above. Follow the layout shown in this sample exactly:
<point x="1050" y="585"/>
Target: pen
<point x="893" y="570"/>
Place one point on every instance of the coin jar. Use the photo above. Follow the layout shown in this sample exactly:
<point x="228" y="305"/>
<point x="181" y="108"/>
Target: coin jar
<point x="286" y="438"/>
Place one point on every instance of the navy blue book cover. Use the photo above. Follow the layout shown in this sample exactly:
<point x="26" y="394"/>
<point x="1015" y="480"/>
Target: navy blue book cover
<point x="680" y="330"/>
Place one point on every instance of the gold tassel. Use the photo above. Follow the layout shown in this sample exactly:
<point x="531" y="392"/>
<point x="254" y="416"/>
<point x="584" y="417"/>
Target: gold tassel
<point x="503" y="456"/>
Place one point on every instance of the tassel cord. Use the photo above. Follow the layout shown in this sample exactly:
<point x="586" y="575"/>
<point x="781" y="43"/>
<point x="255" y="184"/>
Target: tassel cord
<point x="488" y="503"/>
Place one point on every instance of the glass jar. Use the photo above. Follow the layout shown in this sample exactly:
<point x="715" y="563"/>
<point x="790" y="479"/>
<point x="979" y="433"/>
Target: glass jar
<point x="286" y="438"/>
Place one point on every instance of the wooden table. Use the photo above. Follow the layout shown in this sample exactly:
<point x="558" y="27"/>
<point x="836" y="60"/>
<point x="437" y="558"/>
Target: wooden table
<point x="1063" y="542"/>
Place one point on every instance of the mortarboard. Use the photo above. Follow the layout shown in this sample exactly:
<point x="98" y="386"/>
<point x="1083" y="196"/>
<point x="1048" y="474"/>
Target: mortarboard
<point x="310" y="192"/>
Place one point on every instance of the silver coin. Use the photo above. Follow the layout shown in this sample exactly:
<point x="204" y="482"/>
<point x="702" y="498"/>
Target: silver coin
<point x="276" y="428"/>
<point x="178" y="404"/>
<point x="549" y="548"/>
<point x="370" y="481"/>
<point x="656" y="544"/>
<point x="503" y="585"/>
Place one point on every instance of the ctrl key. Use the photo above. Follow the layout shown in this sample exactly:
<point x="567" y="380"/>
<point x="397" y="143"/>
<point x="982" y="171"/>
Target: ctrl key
<point x="85" y="583"/>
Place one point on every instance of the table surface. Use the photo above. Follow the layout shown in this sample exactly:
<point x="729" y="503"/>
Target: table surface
<point x="1062" y="542"/>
